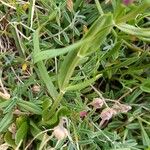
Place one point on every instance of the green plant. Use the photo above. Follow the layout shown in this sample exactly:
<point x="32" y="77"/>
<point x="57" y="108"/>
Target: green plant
<point x="60" y="55"/>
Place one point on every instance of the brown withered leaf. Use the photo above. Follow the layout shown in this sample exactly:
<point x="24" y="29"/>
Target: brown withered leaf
<point x="70" y="5"/>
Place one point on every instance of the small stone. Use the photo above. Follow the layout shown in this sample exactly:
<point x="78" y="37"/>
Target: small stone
<point x="36" y="88"/>
<point x="4" y="146"/>
<point x="60" y="132"/>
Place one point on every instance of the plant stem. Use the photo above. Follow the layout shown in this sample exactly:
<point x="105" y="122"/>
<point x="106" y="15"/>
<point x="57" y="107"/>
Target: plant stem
<point x="56" y="103"/>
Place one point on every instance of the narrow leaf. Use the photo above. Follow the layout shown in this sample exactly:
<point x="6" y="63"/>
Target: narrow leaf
<point x="96" y="35"/>
<point x="83" y="85"/>
<point x="129" y="29"/>
<point x="21" y="133"/>
<point x="47" y="54"/>
<point x="54" y="120"/>
<point x="145" y="86"/>
<point x="8" y="139"/>
<point x="42" y="69"/>
<point x="6" y="121"/>
<point x="145" y="137"/>
<point x="30" y="106"/>
<point x="132" y="15"/>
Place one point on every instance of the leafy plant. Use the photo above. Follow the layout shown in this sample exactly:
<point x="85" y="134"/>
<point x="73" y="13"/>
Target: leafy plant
<point x="57" y="57"/>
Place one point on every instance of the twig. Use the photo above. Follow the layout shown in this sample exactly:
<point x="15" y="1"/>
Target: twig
<point x="70" y="25"/>
<point x="36" y="137"/>
<point x="32" y="13"/>
<point x="8" y="5"/>
<point x="100" y="95"/>
<point x="2" y="86"/>
<point x="4" y="95"/>
<point x="16" y="75"/>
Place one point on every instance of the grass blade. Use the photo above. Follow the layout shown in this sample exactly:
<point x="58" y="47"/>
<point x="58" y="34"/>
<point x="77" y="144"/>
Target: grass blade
<point x="30" y="106"/>
<point x="132" y="15"/>
<point x="42" y="69"/>
<point x="21" y="132"/>
<point x="129" y="29"/>
<point x="145" y="137"/>
<point x="47" y="54"/>
<point x="6" y="121"/>
<point x="82" y="85"/>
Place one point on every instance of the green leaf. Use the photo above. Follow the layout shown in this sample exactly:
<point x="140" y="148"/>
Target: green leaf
<point x="145" y="137"/>
<point x="127" y="62"/>
<point x="97" y="33"/>
<point x="63" y="111"/>
<point x="121" y="149"/>
<point x="58" y="41"/>
<point x="11" y="105"/>
<point x="35" y="130"/>
<point x="133" y="126"/>
<point x="119" y="10"/>
<point x="145" y="86"/>
<point x="20" y="120"/>
<point x="6" y="121"/>
<point x="129" y="29"/>
<point x="42" y="69"/>
<point x="8" y="139"/>
<point x="46" y="103"/>
<point x="18" y="41"/>
<point x="83" y="85"/>
<point x="21" y="133"/>
<point x="47" y="54"/>
<point x="133" y="14"/>
<point x="67" y="68"/>
<point x="66" y="37"/>
<point x="144" y="39"/>
<point x="86" y="142"/>
<point x="133" y="97"/>
<point x="4" y="104"/>
<point x="46" y="106"/>
<point x="30" y="106"/>
<point x="113" y="52"/>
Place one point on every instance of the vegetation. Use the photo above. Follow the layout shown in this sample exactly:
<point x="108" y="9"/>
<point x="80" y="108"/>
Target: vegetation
<point x="75" y="75"/>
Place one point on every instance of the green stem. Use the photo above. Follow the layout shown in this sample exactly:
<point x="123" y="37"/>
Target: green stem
<point x="133" y="47"/>
<point x="65" y="83"/>
<point x="56" y="103"/>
